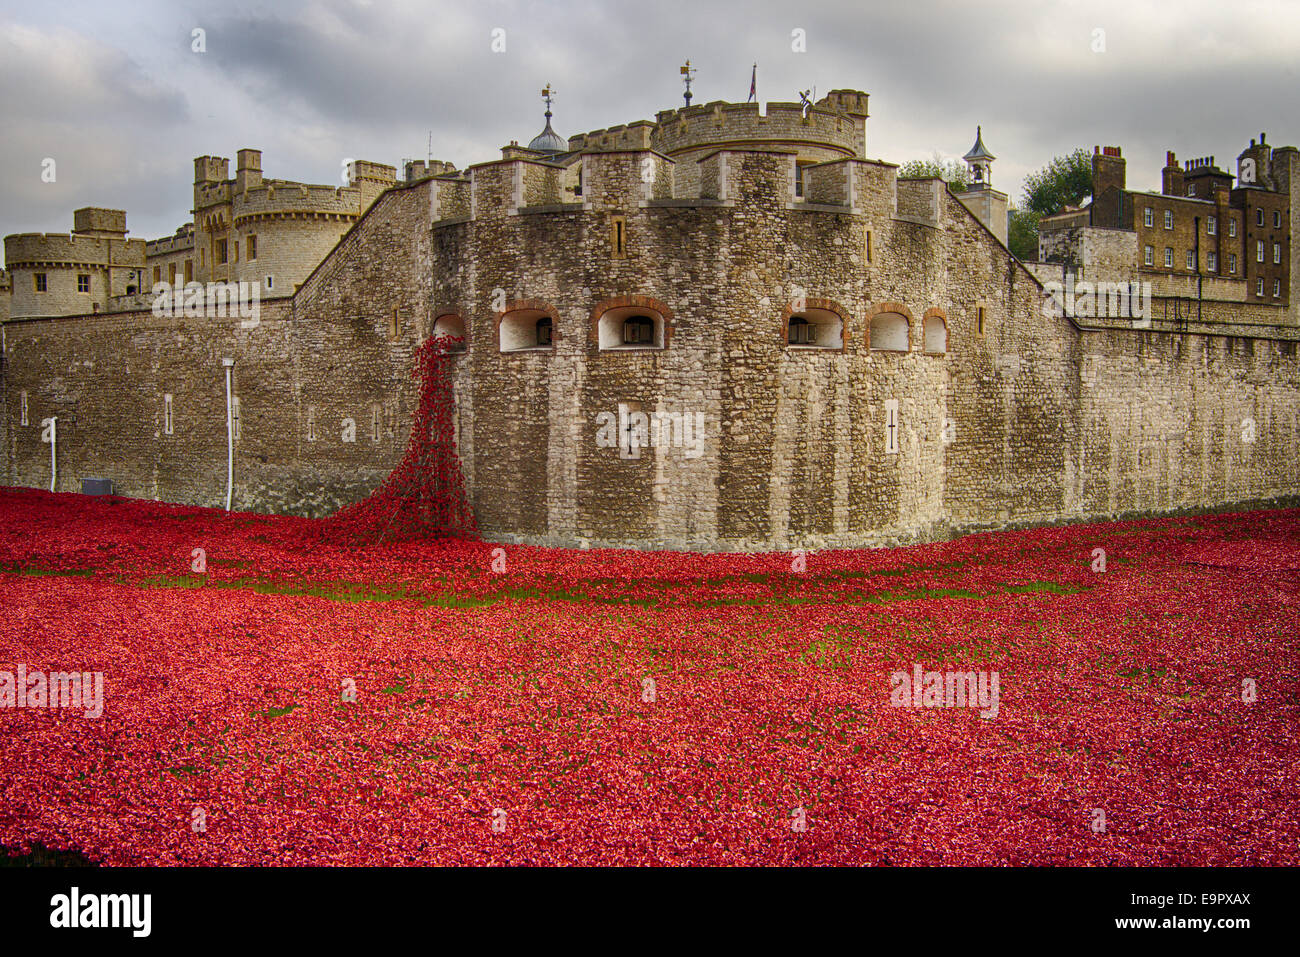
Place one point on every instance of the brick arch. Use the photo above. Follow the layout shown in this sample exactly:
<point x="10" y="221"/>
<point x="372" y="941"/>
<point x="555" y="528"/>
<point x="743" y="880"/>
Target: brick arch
<point x="828" y="305"/>
<point x="433" y="326"/>
<point x="519" y="305"/>
<point x="883" y="307"/>
<point x="934" y="312"/>
<point x="620" y="302"/>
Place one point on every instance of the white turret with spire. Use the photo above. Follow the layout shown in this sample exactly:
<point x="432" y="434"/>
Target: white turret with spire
<point x="979" y="159"/>
<point x="987" y="204"/>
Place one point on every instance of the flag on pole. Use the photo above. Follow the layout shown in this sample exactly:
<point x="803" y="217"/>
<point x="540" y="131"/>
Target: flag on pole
<point x="753" y="84"/>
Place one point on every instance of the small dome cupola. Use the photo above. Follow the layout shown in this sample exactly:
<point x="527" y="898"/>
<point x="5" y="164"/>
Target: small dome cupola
<point x="979" y="158"/>
<point x="548" y="141"/>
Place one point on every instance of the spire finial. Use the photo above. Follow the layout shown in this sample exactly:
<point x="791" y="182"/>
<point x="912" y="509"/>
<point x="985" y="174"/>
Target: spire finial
<point x="548" y="94"/>
<point x="687" y="74"/>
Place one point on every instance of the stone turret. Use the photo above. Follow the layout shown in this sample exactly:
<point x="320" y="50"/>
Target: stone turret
<point x="987" y="204"/>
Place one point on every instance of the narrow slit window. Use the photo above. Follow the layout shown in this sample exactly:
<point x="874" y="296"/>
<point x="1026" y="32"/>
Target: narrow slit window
<point x="618" y="236"/>
<point x="979" y="320"/>
<point x="311" y="423"/>
<point x="167" y="414"/>
<point x="234" y="414"/>
<point x="22" y="408"/>
<point x="375" y="425"/>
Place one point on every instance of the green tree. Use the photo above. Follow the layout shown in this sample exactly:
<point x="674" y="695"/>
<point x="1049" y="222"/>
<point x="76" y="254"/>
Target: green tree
<point x="1022" y="233"/>
<point x="1065" y="181"/>
<point x="952" y="172"/>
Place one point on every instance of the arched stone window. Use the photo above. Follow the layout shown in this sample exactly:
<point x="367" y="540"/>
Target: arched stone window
<point x="818" y="325"/>
<point x="453" y="327"/>
<point x="935" y="330"/>
<point x="632" y="323"/>
<point x="889" y="329"/>
<point x="526" y="326"/>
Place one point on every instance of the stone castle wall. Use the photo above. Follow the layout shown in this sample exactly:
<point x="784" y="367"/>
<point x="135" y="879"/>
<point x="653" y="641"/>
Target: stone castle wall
<point x="1045" y="420"/>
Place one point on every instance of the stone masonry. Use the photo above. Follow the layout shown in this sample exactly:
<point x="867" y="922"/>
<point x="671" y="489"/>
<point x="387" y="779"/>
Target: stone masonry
<point x="938" y="396"/>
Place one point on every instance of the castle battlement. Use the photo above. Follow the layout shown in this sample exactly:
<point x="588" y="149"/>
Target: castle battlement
<point x="71" y="249"/>
<point x="826" y="126"/>
<point x="280" y="197"/>
<point x="625" y="136"/>
<point x="834" y="126"/>
<point x="182" y="240"/>
<point x="619" y="180"/>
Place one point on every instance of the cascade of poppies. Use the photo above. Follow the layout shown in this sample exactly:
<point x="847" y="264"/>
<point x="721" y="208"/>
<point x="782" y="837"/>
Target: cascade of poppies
<point x="425" y="495"/>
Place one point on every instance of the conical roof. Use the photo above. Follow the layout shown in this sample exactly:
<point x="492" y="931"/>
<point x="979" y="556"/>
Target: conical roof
<point x="979" y="150"/>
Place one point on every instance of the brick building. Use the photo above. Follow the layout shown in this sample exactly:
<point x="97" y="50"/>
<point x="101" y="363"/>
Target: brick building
<point x="1198" y="238"/>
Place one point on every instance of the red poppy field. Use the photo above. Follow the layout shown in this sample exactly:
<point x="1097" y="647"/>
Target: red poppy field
<point x="297" y="702"/>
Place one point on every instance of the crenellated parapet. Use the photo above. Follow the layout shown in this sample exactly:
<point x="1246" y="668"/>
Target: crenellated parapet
<point x="626" y="136"/>
<point x="55" y="250"/>
<point x="278" y="199"/>
<point x="821" y="132"/>
<point x="611" y="181"/>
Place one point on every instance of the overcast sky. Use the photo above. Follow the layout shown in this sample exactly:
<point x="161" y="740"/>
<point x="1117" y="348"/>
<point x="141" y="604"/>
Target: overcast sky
<point x="115" y="94"/>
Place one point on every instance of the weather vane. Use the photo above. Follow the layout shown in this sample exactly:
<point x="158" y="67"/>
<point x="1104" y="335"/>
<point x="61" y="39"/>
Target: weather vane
<point x="548" y="94"/>
<point x="688" y="74"/>
<point x="805" y="102"/>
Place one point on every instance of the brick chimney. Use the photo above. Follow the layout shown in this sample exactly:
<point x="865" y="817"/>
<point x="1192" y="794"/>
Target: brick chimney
<point x="1108" y="169"/>
<point x="1171" y="177"/>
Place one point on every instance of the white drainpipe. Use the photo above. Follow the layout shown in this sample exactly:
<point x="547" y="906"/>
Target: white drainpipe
<point x="54" y="458"/>
<point x="230" y="436"/>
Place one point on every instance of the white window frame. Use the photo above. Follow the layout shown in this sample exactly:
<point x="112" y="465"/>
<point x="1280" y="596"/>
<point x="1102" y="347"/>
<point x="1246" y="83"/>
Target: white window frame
<point x="1259" y="250"/>
<point x="1259" y="286"/>
<point x="1191" y="261"/>
<point x="1212" y="226"/>
<point x="1150" y="256"/>
<point x="1213" y="262"/>
<point x="1169" y="219"/>
<point x="1232" y="262"/>
<point x="1169" y="257"/>
<point x="1277" y="288"/>
<point x="1277" y="254"/>
<point x="1232" y="228"/>
<point x="1148" y="217"/>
